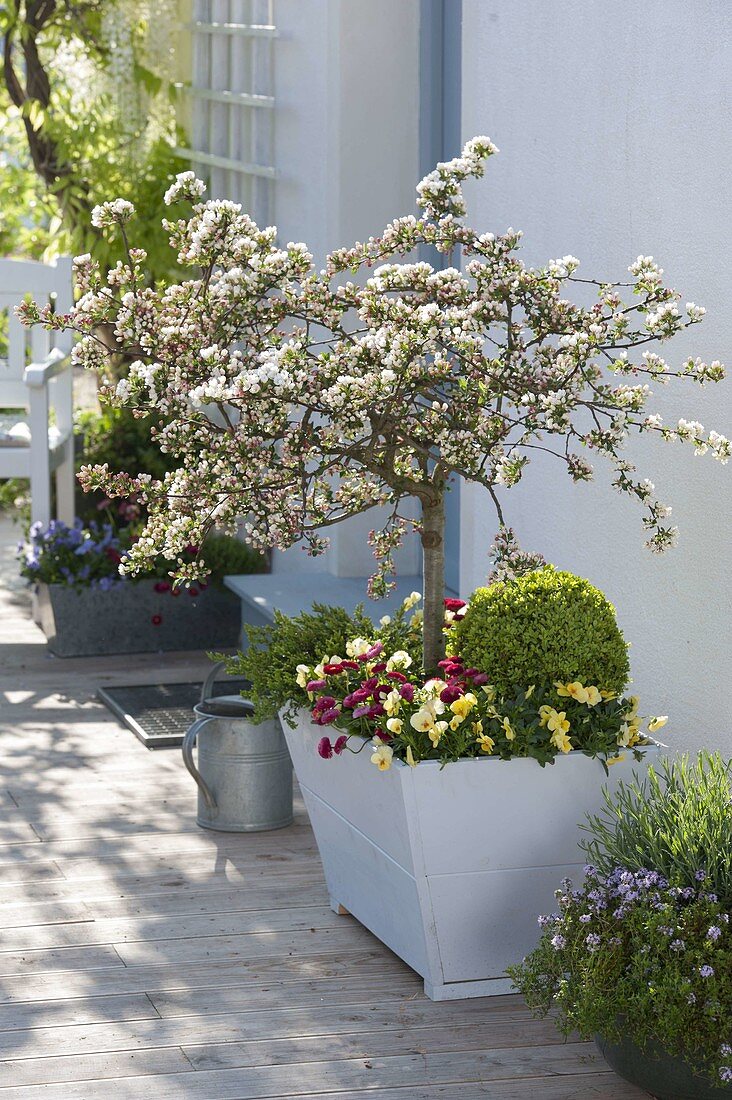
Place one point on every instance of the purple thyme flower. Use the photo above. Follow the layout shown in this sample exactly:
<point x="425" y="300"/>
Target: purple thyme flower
<point x="678" y="945"/>
<point x="714" y="933"/>
<point x="585" y="918"/>
<point x="558" y="942"/>
<point x="593" y="941"/>
<point x="725" y="1073"/>
<point x="725" y="1050"/>
<point x="706" y="971"/>
<point x="700" y="876"/>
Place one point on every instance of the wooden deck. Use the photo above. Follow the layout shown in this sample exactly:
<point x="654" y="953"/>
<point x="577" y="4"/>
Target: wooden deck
<point x="141" y="957"/>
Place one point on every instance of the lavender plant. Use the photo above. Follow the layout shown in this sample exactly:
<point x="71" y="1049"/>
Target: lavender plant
<point x="297" y="397"/>
<point x="643" y="950"/>
<point x="676" y="819"/>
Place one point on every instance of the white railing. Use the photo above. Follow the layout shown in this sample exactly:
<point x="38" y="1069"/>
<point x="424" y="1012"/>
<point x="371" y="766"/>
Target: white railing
<point x="231" y="117"/>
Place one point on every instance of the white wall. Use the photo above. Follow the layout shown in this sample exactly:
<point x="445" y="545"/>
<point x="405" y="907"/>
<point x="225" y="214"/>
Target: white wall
<point x="613" y="122"/>
<point x="347" y="157"/>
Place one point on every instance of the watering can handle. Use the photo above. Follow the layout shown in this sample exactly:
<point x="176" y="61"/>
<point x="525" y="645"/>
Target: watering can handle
<point x="188" y="742"/>
<point x="210" y="681"/>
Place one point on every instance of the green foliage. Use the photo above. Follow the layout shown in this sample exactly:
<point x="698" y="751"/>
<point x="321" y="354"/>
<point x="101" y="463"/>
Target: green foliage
<point x="15" y="499"/>
<point x="643" y="952"/>
<point x="117" y="437"/>
<point x="545" y="626"/>
<point x="88" y="151"/>
<point x="37" y="223"/>
<point x="676" y="820"/>
<point x="225" y="555"/>
<point x="275" y="650"/>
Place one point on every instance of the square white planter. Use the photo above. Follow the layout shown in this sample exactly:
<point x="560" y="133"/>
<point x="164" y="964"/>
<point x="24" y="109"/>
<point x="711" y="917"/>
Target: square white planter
<point x="449" y="867"/>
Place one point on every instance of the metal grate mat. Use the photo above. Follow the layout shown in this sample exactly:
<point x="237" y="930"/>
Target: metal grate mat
<point x="160" y="714"/>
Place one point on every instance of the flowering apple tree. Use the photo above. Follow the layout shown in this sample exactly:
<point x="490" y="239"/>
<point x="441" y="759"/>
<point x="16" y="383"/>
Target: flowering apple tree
<point x="296" y="398"/>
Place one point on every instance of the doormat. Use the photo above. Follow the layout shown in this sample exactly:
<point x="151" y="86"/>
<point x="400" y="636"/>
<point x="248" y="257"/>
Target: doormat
<point x="160" y="714"/>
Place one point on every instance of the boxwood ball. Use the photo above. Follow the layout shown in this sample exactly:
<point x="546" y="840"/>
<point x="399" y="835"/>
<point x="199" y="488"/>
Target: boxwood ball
<point x="547" y="625"/>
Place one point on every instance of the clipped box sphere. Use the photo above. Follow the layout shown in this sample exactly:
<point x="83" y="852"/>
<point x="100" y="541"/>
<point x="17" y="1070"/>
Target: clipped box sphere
<point x="547" y="625"/>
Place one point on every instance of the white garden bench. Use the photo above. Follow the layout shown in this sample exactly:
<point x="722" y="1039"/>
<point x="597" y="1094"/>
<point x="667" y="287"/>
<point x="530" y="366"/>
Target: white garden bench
<point x="36" y="405"/>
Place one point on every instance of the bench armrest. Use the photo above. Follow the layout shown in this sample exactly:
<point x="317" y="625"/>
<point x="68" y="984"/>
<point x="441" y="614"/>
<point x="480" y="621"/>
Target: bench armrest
<point x="38" y="374"/>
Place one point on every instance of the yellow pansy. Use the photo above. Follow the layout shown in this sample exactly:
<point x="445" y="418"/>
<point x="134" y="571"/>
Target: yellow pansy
<point x="486" y="743"/>
<point x="577" y="691"/>
<point x="382" y="757"/>
<point x="456" y="721"/>
<point x="634" y="701"/>
<point x="394" y="725"/>
<point x="508" y="729"/>
<point x="422" y="720"/>
<point x="463" y="705"/>
<point x="392" y="702"/>
<point x="489" y="691"/>
<point x="436" y="733"/>
<point x="410" y="757"/>
<point x="560" y="740"/>
<point x="303" y="675"/>
<point x="544" y="713"/>
<point x="557" y="721"/>
<point x="477" y="728"/>
<point x="357" y="647"/>
<point x="434" y="687"/>
<point x="608" y="694"/>
<point x="657" y="723"/>
<point x="616" y="759"/>
<point x="628" y="735"/>
<point x="594" y="696"/>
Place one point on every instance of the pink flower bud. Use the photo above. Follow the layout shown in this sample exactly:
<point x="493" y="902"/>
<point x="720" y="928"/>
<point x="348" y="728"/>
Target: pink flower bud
<point x="315" y="685"/>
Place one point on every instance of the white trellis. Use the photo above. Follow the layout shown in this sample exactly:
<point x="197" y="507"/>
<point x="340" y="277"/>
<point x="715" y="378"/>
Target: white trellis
<point x="232" y="101"/>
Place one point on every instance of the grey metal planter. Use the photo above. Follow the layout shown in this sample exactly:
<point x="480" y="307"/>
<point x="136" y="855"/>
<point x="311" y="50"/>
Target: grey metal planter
<point x="134" y="618"/>
<point x="660" y="1074"/>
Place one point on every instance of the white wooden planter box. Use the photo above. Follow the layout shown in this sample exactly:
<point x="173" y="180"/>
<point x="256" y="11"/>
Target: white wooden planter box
<point x="449" y="867"/>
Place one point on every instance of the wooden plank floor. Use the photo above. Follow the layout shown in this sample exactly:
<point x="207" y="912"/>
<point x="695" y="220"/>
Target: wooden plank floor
<point x="142" y="957"/>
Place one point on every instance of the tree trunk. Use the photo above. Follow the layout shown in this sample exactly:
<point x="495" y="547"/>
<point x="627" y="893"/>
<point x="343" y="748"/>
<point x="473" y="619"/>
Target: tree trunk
<point x="433" y="548"/>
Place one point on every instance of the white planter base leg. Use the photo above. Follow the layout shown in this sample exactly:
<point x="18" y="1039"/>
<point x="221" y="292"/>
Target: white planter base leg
<point x="338" y="908"/>
<point x="459" y="991"/>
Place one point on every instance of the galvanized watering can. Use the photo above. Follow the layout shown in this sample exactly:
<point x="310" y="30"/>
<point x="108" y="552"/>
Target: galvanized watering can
<point x="244" y="773"/>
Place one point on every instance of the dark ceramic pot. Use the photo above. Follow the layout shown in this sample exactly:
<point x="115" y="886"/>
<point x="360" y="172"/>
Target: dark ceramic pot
<point x="660" y="1074"/>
